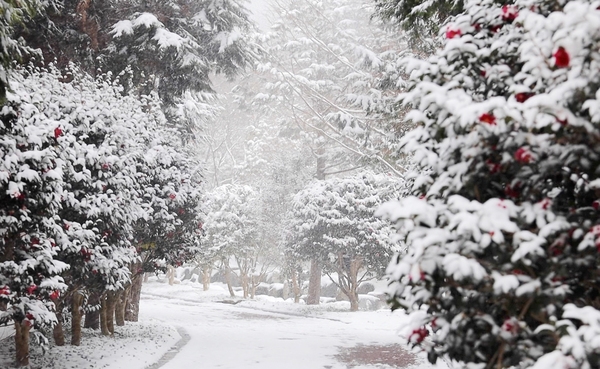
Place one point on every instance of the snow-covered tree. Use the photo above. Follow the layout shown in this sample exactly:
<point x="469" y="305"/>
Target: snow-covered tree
<point x="169" y="47"/>
<point x="85" y="166"/>
<point x="502" y="265"/>
<point x="333" y="222"/>
<point x="31" y="186"/>
<point x="321" y="65"/>
<point x="231" y="232"/>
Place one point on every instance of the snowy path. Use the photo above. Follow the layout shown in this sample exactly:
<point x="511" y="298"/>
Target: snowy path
<point x="247" y="337"/>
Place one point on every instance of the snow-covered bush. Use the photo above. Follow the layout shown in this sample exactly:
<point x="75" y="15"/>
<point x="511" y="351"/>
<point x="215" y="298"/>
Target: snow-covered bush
<point x="333" y="221"/>
<point x="502" y="265"/>
<point x="89" y="174"/>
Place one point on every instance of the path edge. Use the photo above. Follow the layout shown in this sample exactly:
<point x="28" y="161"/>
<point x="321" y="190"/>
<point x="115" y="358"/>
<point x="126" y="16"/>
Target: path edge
<point x="173" y="351"/>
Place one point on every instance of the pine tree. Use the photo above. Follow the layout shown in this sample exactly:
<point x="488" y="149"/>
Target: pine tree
<point x="502" y="265"/>
<point x="168" y="47"/>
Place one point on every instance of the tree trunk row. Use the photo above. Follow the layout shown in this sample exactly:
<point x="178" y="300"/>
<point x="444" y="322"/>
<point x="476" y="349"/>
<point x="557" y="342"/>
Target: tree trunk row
<point x="115" y="307"/>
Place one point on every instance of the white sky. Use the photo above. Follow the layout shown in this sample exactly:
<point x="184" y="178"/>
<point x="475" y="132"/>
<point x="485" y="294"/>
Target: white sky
<point x="260" y="10"/>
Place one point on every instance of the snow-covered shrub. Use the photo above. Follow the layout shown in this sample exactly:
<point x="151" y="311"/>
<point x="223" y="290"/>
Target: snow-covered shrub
<point x="85" y="173"/>
<point x="503" y="228"/>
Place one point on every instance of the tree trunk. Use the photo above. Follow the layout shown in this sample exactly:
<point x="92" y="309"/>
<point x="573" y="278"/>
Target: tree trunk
<point x="355" y="266"/>
<point x="253" y="287"/>
<point x="88" y="25"/>
<point x="245" y="284"/>
<point x="171" y="274"/>
<point x="353" y="301"/>
<point x="206" y="278"/>
<point x="103" y="316"/>
<point x="120" y="303"/>
<point x="22" y="342"/>
<point x="111" y="301"/>
<point x="58" y="332"/>
<point x="228" y="280"/>
<point x="314" y="283"/>
<point x="295" y="287"/>
<point x="76" y="314"/>
<point x="133" y="299"/>
<point x="92" y="318"/>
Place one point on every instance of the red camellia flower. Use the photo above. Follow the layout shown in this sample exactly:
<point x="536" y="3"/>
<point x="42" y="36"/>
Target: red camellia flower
<point x="487" y="118"/>
<point x="451" y="33"/>
<point x="511" y="191"/>
<point x="511" y="325"/>
<point x="493" y="167"/>
<point x="418" y="335"/>
<point x="54" y="295"/>
<point x="546" y="203"/>
<point x="172" y="196"/>
<point x="5" y="291"/>
<point x="58" y="132"/>
<point x="596" y="205"/>
<point x="29" y="316"/>
<point x="523" y="96"/>
<point x="561" y="58"/>
<point x="509" y="13"/>
<point x="105" y="166"/>
<point x="181" y="211"/>
<point x="31" y="289"/>
<point x="523" y="156"/>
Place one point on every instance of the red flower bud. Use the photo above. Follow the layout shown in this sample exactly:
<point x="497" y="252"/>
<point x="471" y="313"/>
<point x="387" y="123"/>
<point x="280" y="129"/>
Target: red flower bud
<point x="487" y="118"/>
<point x="512" y="191"/>
<point x="418" y="335"/>
<point x="561" y="58"/>
<point x="523" y="96"/>
<point x="451" y="33"/>
<point x="523" y="156"/>
<point x="509" y="13"/>
<point x="58" y="132"/>
<point x="596" y="205"/>
<point x="31" y="289"/>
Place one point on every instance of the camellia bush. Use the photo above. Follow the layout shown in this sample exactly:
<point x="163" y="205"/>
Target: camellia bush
<point x="503" y="223"/>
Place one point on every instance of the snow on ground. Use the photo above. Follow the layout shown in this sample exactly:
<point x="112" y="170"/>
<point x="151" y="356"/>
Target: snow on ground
<point x="265" y="333"/>
<point x="268" y="332"/>
<point x="134" y="346"/>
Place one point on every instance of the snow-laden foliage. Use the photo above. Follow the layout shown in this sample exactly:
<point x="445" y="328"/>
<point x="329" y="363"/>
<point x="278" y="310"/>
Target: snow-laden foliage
<point x="502" y="230"/>
<point x="88" y="174"/>
<point x="14" y="13"/>
<point x="231" y="230"/>
<point x="321" y="63"/>
<point x="31" y="187"/>
<point x="333" y="221"/>
<point x="168" y="47"/>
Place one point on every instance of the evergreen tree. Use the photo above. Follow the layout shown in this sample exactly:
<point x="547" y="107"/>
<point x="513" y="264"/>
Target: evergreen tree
<point x="502" y="228"/>
<point x="168" y="47"/>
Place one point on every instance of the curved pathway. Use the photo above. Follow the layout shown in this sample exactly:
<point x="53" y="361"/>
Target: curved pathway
<point x="222" y="336"/>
